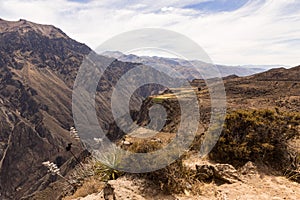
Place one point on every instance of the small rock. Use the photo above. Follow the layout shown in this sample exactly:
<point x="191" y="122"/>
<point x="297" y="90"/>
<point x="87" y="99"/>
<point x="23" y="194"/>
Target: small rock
<point x="126" y="142"/>
<point x="205" y="172"/>
<point x="248" y="168"/>
<point x="224" y="172"/>
<point x="187" y="193"/>
<point x="108" y="192"/>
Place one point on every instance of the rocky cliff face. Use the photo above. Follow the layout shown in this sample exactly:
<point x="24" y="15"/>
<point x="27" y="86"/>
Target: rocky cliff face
<point x="38" y="66"/>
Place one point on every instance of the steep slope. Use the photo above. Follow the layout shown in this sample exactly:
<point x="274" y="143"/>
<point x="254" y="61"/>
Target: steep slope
<point x="38" y="65"/>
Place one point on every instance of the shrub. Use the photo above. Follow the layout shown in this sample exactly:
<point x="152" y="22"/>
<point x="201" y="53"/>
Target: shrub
<point x="145" y="146"/>
<point x="175" y="178"/>
<point x="105" y="172"/>
<point x="259" y="135"/>
<point x="90" y="172"/>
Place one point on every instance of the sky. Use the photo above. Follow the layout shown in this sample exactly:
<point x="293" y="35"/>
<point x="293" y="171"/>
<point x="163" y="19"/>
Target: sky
<point x="232" y="32"/>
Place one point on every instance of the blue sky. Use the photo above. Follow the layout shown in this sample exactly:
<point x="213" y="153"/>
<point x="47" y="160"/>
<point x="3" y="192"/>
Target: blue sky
<point x="209" y="5"/>
<point x="233" y="32"/>
<point x="218" y="6"/>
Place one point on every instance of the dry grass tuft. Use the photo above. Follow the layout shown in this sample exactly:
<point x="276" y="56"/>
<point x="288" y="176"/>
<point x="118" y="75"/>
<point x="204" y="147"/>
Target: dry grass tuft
<point x="90" y="186"/>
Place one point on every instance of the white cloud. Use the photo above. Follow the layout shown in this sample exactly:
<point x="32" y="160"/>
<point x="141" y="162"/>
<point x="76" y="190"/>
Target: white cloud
<point x="166" y="9"/>
<point x="261" y="32"/>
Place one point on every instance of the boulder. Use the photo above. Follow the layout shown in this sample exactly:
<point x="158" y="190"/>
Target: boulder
<point x="248" y="169"/>
<point x="221" y="172"/>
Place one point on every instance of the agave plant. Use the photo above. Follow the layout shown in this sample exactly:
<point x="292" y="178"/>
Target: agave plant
<point x="109" y="163"/>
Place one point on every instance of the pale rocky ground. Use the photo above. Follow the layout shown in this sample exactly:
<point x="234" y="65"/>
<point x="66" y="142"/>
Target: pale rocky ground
<point x="254" y="188"/>
<point x="253" y="184"/>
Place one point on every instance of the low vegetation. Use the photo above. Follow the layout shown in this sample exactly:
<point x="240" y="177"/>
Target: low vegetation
<point x="175" y="179"/>
<point x="259" y="136"/>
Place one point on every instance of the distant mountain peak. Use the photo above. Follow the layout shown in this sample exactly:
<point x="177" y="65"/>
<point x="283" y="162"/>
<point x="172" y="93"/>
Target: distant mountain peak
<point x="23" y="26"/>
<point x="193" y="69"/>
<point x="113" y="54"/>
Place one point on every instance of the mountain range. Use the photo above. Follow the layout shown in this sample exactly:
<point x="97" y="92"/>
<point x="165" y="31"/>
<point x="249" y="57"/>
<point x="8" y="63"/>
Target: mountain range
<point x="189" y="69"/>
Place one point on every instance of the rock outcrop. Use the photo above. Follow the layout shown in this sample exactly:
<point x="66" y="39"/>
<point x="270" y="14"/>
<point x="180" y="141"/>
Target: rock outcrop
<point x="219" y="172"/>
